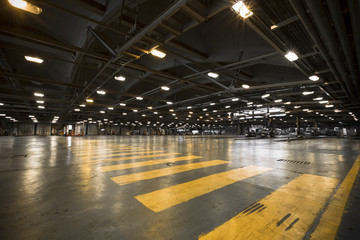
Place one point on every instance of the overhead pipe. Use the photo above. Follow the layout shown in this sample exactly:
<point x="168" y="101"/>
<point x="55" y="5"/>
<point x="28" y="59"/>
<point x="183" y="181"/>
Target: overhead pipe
<point x="339" y="24"/>
<point x="354" y="8"/>
<point x="305" y="19"/>
<point x="318" y="13"/>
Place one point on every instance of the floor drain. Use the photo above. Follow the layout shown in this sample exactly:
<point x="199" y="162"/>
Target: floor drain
<point x="292" y="161"/>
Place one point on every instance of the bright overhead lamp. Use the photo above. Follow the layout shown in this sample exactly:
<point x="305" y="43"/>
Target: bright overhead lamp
<point x="33" y="59"/>
<point x="259" y="105"/>
<point x="41" y="107"/>
<point x="124" y="114"/>
<point x="120" y="78"/>
<point x="308" y="93"/>
<point x="77" y="110"/>
<point x="38" y="94"/>
<point x="1" y="104"/>
<point x="323" y="102"/>
<point x="165" y="88"/>
<point x="242" y="9"/>
<point x="205" y="109"/>
<point x="102" y="111"/>
<point x="31" y="116"/>
<point x="318" y="99"/>
<point x="155" y="112"/>
<point x="314" y="78"/>
<point x="287" y="103"/>
<point x="213" y="75"/>
<point x="158" y="53"/>
<point x="265" y="95"/>
<point x="89" y="100"/>
<point x="110" y="108"/>
<point x="291" y="56"/>
<point x="212" y="104"/>
<point x="39" y="101"/>
<point x="169" y="103"/>
<point x="249" y="103"/>
<point x="235" y="99"/>
<point x="297" y="107"/>
<point x="329" y="105"/>
<point x="227" y="106"/>
<point x="188" y="107"/>
<point x="273" y="27"/>
<point x="135" y="110"/>
<point x="82" y="105"/>
<point x="171" y="110"/>
<point x="337" y="110"/>
<point x="8" y="117"/>
<point x="122" y="104"/>
<point x="28" y="7"/>
<point x="139" y="98"/>
<point x="101" y="92"/>
<point x="245" y="86"/>
<point x="2" y="114"/>
<point x="278" y="100"/>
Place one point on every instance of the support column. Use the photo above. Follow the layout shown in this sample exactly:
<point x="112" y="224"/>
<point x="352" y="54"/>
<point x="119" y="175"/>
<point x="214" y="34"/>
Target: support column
<point x="316" y="127"/>
<point x="297" y="126"/>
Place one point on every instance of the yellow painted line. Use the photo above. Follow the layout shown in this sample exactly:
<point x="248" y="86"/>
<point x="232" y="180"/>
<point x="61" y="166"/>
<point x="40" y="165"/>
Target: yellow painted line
<point x="133" y="157"/>
<point x="92" y="153"/>
<point x="286" y="213"/>
<point x="146" y="163"/>
<point x="104" y="156"/>
<point x="130" y="178"/>
<point x="165" y="198"/>
<point x="331" y="219"/>
<point x="97" y="146"/>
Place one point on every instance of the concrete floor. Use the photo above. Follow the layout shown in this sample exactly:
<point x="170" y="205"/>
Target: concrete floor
<point x="137" y="187"/>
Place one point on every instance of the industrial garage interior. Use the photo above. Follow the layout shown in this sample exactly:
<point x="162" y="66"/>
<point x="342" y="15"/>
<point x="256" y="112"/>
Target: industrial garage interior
<point x="179" y="119"/>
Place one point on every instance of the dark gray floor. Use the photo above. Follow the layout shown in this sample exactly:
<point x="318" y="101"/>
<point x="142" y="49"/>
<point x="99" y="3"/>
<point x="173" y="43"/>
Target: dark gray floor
<point x="47" y="192"/>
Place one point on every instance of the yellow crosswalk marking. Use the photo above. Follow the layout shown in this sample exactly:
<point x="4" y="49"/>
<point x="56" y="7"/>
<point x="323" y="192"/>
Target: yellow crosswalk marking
<point x="146" y="163"/>
<point x="286" y="213"/>
<point x="92" y="153"/>
<point x="104" y="156"/>
<point x="331" y="218"/>
<point x="131" y="157"/>
<point x="130" y="178"/>
<point x="162" y="199"/>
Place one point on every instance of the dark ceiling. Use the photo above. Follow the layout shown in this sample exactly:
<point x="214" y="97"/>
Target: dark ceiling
<point x="86" y="43"/>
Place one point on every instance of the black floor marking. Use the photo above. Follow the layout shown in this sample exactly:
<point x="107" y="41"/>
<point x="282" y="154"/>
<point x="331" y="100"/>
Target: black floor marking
<point x="255" y="209"/>
<point x="251" y="207"/>
<point x="292" y="224"/>
<point x="292" y="161"/>
<point x="283" y="219"/>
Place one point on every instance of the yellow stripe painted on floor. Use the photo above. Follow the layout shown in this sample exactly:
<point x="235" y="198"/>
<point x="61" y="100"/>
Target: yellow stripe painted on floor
<point x="286" y="213"/>
<point x="162" y="199"/>
<point x="331" y="219"/>
<point x="146" y="163"/>
<point x="130" y="178"/>
<point x="133" y="157"/>
<point x="104" y="156"/>
<point x="110" y="151"/>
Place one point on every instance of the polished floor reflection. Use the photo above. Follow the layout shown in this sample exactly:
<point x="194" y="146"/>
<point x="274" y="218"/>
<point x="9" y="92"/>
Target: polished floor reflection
<point x="177" y="187"/>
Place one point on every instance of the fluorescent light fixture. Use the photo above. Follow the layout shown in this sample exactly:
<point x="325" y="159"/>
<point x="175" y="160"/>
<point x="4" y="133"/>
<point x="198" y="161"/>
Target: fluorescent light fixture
<point x="165" y="88"/>
<point x="278" y="100"/>
<point x="31" y="116"/>
<point x="265" y="95"/>
<point x="102" y="111"/>
<point x="82" y="105"/>
<point x="214" y="110"/>
<point x="227" y="106"/>
<point x="314" y="78"/>
<point x="149" y="107"/>
<point x="308" y="93"/>
<point x="318" y="99"/>
<point x="249" y="103"/>
<point x="122" y="104"/>
<point x="41" y="107"/>
<point x="155" y="112"/>
<point x="8" y="117"/>
<point x="242" y="9"/>
<point x="291" y="56"/>
<point x="77" y="110"/>
<point x="205" y="109"/>
<point x="2" y="114"/>
<point x="158" y="53"/>
<point x="235" y="99"/>
<point x="89" y="100"/>
<point x="1" y="104"/>
<point x="189" y="107"/>
<point x="259" y="105"/>
<point x="169" y="103"/>
<point x="38" y="94"/>
<point x="110" y="108"/>
<point x="124" y="113"/>
<point x="329" y="105"/>
<point x="287" y="103"/>
<point x="273" y="27"/>
<point x="212" y="104"/>
<point x="213" y="75"/>
<point x="139" y="98"/>
<point x="33" y="59"/>
<point x="245" y="86"/>
<point x="297" y="106"/>
<point x="171" y="110"/>
<point x="101" y="92"/>
<point x="134" y="110"/>
<point x="323" y="102"/>
<point x="28" y="7"/>
<point x="337" y="110"/>
<point x="40" y="101"/>
<point x="120" y="78"/>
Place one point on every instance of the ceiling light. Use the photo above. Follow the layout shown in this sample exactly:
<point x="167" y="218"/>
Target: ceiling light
<point x="155" y="112"/>
<point x="242" y="9"/>
<point x="110" y="108"/>
<point x="189" y="107"/>
<point x="308" y="92"/>
<point x="297" y="106"/>
<point x="1" y="104"/>
<point x="287" y="103"/>
<point x="169" y="103"/>
<point x="212" y="104"/>
<point x="318" y="99"/>
<point x="227" y="106"/>
<point x="40" y="101"/>
<point x="273" y="27"/>
<point x="122" y="104"/>
<point x="89" y="100"/>
<point x="245" y="86"/>
<point x="82" y="105"/>
<point x="205" y="109"/>
<point x="329" y="106"/>
<point x="213" y="75"/>
<point x="2" y="114"/>
<point x="77" y="110"/>
<point x="33" y="59"/>
<point x="31" y="116"/>
<point x="158" y="53"/>
<point x="149" y="107"/>
<point x="165" y="88"/>
<point x="291" y="56"/>
<point x="38" y="94"/>
<point x="337" y="110"/>
<point x="235" y="99"/>
<point x="124" y="113"/>
<point x="28" y="7"/>
<point x="139" y="98"/>
<point x="278" y="100"/>
<point x="134" y="110"/>
<point x="259" y="105"/>
<point x="171" y="110"/>
<point x="101" y="92"/>
<point x="42" y="107"/>
<point x="102" y="111"/>
<point x="314" y="78"/>
<point x="120" y="78"/>
<point x="323" y="102"/>
<point x="265" y="95"/>
<point x="249" y="103"/>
